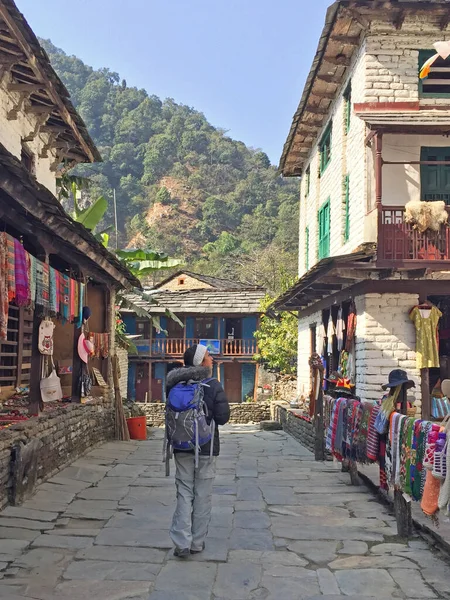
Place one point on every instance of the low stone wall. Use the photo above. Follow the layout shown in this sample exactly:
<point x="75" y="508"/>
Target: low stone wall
<point x="247" y="412"/>
<point x="301" y="428"/>
<point x="57" y="439"/>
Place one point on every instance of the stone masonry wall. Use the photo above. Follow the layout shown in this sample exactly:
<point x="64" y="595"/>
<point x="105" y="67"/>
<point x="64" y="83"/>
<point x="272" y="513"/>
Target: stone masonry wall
<point x="65" y="434"/>
<point x="300" y="429"/>
<point x="385" y="340"/>
<point x="247" y="412"/>
<point x="122" y="356"/>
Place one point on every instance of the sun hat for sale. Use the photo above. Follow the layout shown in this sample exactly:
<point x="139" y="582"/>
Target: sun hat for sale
<point x="85" y="348"/>
<point x="398" y="377"/>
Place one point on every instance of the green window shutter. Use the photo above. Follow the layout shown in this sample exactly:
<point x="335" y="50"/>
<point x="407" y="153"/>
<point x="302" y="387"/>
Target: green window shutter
<point x="324" y="230"/>
<point x="347" y="109"/>
<point x="307" y="248"/>
<point x="437" y="84"/>
<point x="435" y="179"/>
<point x="346" y="208"/>
<point x="325" y="149"/>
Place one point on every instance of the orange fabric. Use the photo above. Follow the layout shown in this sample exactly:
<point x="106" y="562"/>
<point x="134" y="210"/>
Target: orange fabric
<point x="430" y="496"/>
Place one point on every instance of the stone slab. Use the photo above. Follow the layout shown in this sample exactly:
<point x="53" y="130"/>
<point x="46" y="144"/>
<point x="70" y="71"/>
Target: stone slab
<point x="327" y="582"/>
<point x="40" y="558"/>
<point x="319" y="552"/>
<point x="134" y="538"/>
<point x="26" y="513"/>
<point x="95" y="570"/>
<point x="374" y="561"/>
<point x="25" y="524"/>
<point x="96" y="493"/>
<point x="251" y="520"/>
<point x="251" y="539"/>
<point x="365" y="582"/>
<point x="61" y="541"/>
<point x="311" y="532"/>
<point x="271" y="558"/>
<point x="101" y="590"/>
<point x="186" y="576"/>
<point x="237" y="580"/>
<point x="352" y="547"/>
<point x="126" y="555"/>
<point x="15" y="533"/>
<point x="411" y="583"/>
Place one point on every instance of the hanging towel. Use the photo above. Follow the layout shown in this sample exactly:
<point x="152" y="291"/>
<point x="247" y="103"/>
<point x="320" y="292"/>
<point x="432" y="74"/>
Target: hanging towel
<point x="42" y="284"/>
<point x="3" y="288"/>
<point x="373" y="437"/>
<point x="64" y="307"/>
<point x="80" y="305"/>
<point x="11" y="268"/>
<point x="21" y="274"/>
<point x="77" y="300"/>
<point x="33" y="277"/>
<point x="72" y="300"/>
<point x="52" y="292"/>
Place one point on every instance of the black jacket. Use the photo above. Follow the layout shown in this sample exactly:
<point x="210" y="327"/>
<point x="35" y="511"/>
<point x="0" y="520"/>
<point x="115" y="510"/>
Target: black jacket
<point x="214" y="396"/>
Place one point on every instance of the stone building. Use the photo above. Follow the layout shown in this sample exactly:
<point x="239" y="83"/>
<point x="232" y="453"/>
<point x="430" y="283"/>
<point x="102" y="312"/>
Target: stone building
<point x="220" y="313"/>
<point x="50" y="268"/>
<point x="368" y="138"/>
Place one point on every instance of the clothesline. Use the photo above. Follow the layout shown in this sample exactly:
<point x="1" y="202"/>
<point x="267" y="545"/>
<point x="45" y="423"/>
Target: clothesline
<point x="29" y="282"/>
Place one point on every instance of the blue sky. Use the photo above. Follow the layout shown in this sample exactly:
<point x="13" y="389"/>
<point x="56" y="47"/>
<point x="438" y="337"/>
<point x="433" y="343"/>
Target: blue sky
<point x="243" y="63"/>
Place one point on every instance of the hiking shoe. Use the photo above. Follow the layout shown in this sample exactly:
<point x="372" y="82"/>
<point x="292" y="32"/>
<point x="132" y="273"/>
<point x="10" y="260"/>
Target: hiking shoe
<point x="181" y="552"/>
<point x="198" y="551"/>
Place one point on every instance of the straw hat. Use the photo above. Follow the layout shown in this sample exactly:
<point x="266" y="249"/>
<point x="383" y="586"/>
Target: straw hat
<point x="85" y="348"/>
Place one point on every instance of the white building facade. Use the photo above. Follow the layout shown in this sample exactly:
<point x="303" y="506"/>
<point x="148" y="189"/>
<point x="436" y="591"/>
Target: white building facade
<point x="369" y="137"/>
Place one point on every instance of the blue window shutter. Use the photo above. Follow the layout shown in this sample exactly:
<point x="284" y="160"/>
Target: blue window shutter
<point x="190" y="325"/>
<point x="249" y="326"/>
<point x="248" y="379"/>
<point x="130" y="322"/>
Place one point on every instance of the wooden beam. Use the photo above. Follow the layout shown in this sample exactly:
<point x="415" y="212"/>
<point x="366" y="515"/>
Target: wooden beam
<point x="316" y="109"/>
<point x="41" y="109"/>
<point x="341" y="60"/>
<point x="324" y="94"/>
<point x="328" y="78"/>
<point x="25" y="87"/>
<point x="42" y="75"/>
<point x="348" y="40"/>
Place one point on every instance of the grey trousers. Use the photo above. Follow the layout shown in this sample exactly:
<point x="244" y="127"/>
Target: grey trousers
<point x="194" y="497"/>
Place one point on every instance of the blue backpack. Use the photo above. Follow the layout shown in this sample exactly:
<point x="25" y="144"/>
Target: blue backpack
<point x="186" y="419"/>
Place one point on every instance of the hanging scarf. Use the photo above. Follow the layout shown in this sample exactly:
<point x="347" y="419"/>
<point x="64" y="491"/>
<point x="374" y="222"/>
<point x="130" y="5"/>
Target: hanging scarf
<point x="11" y="268"/>
<point x="20" y="274"/>
<point x="72" y="300"/>
<point x="3" y="288"/>
<point x="351" y="328"/>
<point x="64" y="298"/>
<point x="417" y="474"/>
<point x="80" y="305"/>
<point x="77" y="300"/>
<point x="339" y="429"/>
<point x="361" y="444"/>
<point x="42" y="284"/>
<point x="373" y="437"/>
<point x="405" y="453"/>
<point x="383" y="461"/>
<point x="330" y="430"/>
<point x="33" y="279"/>
<point x="52" y="294"/>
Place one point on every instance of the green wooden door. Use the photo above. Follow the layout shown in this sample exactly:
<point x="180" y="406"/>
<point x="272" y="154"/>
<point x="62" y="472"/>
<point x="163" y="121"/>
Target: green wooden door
<point x="324" y="230"/>
<point x="435" y="179"/>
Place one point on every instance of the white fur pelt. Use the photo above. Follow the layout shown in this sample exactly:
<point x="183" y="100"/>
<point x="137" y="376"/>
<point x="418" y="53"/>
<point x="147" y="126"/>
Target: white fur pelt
<point x="426" y="215"/>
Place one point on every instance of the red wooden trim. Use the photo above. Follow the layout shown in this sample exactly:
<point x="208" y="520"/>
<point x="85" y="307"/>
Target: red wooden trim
<point x="386" y="106"/>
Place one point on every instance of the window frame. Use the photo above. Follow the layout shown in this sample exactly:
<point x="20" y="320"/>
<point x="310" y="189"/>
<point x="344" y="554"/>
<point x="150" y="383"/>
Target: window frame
<point x="348" y="108"/>
<point x="321" y="251"/>
<point x="325" y="142"/>
<point x="307" y="181"/>
<point x="346" y="202"/>
<point x="440" y="152"/>
<point x="424" y="55"/>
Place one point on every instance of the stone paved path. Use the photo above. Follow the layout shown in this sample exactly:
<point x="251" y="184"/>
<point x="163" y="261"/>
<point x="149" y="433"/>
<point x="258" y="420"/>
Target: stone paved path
<point x="283" y="528"/>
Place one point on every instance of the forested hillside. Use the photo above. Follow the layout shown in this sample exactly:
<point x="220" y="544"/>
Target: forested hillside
<point x="182" y="185"/>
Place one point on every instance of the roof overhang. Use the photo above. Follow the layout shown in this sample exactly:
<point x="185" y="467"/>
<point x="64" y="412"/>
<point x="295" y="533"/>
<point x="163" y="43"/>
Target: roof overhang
<point x="330" y="276"/>
<point x="346" y="23"/>
<point x="35" y="82"/>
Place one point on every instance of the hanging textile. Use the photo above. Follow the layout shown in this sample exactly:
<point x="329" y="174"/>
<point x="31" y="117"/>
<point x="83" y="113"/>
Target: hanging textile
<point x="351" y="328"/>
<point x="42" y="284"/>
<point x="330" y="334"/>
<point x="101" y="344"/>
<point x="72" y="299"/>
<point x="52" y="291"/>
<point x="340" y="328"/>
<point x="11" y="277"/>
<point x="426" y="322"/>
<point x="4" y="302"/>
<point x="32" y="280"/>
<point x="64" y="298"/>
<point x="20" y="274"/>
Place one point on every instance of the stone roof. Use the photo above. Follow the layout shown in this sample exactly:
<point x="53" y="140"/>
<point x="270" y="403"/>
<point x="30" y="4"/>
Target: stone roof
<point x="208" y="302"/>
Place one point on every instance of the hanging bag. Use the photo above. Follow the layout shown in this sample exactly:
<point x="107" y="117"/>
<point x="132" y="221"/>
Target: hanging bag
<point x="45" y="342"/>
<point x="50" y="386"/>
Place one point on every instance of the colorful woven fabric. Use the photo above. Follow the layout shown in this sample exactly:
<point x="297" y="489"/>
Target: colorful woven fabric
<point x="373" y="437"/>
<point x="11" y="277"/>
<point x="21" y="274"/>
<point x="42" y="284"/>
<point x="382" y="461"/>
<point x="32" y="278"/>
<point x="72" y="299"/>
<point x="53" y="306"/>
<point x="430" y="497"/>
<point x="3" y="288"/>
<point x="64" y="298"/>
<point x="76" y="300"/>
<point x="351" y="328"/>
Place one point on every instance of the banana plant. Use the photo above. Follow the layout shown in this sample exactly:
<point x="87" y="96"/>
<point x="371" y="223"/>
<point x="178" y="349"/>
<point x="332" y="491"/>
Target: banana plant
<point x="143" y="262"/>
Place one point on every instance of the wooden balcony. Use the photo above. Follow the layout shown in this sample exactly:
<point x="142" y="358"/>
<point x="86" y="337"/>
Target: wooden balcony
<point x="400" y="244"/>
<point x="175" y="348"/>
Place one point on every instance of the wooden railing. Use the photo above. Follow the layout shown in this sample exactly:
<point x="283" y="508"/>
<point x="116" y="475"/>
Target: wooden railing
<point x="399" y="242"/>
<point x="177" y="347"/>
<point x="238" y="347"/>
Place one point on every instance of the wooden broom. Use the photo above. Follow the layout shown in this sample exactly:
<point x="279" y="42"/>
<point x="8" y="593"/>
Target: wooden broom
<point x="121" y="428"/>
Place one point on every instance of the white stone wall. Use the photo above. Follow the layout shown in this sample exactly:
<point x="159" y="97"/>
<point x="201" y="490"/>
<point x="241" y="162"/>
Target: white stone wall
<point x="304" y="352"/>
<point x="385" y="340"/>
<point x="347" y="157"/>
<point x="393" y="60"/>
<point x="13" y="131"/>
<point x="122" y="356"/>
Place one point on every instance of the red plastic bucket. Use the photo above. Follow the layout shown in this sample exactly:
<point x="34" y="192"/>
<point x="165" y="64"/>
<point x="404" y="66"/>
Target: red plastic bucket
<point x="137" y="426"/>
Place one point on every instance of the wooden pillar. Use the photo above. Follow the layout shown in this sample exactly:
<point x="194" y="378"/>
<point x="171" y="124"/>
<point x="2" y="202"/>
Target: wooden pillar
<point x="149" y="396"/>
<point x="20" y="346"/>
<point x="425" y="392"/>
<point x="379" y="190"/>
<point x="35" y="403"/>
